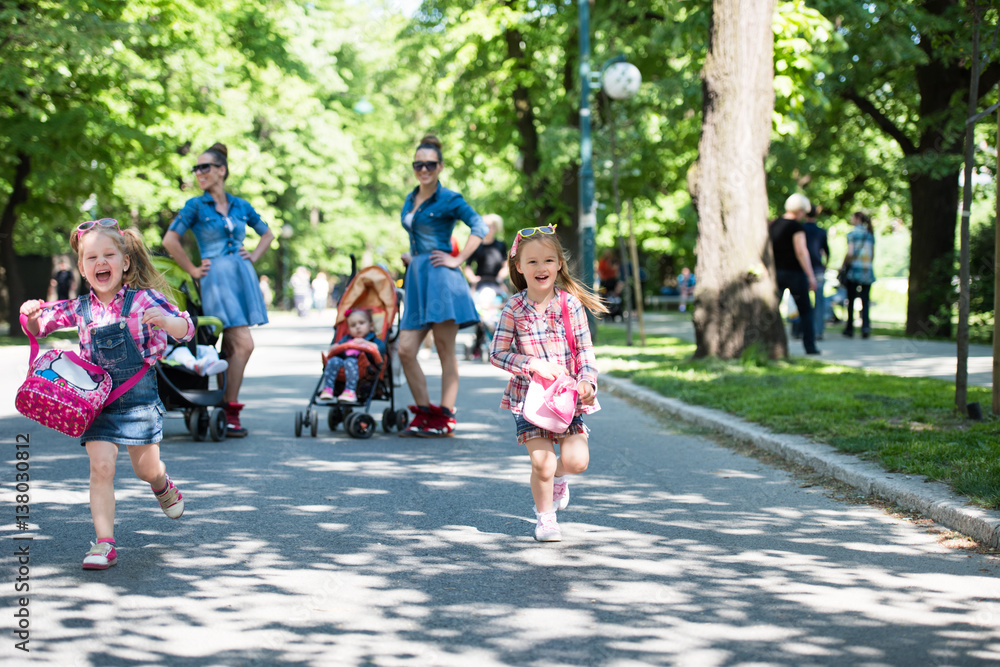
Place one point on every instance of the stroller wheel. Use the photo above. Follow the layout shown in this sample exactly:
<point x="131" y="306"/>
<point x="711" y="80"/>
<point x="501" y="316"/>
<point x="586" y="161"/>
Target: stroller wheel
<point x="298" y="423"/>
<point x="388" y="420"/>
<point x="402" y="419"/>
<point x="313" y="423"/>
<point x="361" y="425"/>
<point x="217" y="424"/>
<point x="197" y="423"/>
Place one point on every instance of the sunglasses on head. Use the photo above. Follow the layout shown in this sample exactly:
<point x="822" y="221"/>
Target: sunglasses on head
<point x="528" y="232"/>
<point x="203" y="168"/>
<point x="531" y="231"/>
<point x="90" y="224"/>
<point x="429" y="165"/>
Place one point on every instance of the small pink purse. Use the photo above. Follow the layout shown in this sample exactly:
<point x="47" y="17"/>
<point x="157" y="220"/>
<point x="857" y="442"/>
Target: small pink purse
<point x="551" y="404"/>
<point x="65" y="392"/>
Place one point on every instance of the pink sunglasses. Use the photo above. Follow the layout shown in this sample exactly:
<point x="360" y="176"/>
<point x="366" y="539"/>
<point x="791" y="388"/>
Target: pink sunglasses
<point x="90" y="224"/>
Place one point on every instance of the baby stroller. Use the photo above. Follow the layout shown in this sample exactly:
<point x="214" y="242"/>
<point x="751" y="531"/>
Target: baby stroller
<point x="181" y="388"/>
<point x="373" y="289"/>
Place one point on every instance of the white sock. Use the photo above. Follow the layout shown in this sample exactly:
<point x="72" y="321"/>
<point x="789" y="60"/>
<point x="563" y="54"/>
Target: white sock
<point x="538" y="514"/>
<point x="561" y="480"/>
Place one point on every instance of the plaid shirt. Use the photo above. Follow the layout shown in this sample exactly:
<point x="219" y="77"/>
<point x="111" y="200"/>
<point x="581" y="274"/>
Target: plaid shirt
<point x="523" y="333"/>
<point x="151" y="341"/>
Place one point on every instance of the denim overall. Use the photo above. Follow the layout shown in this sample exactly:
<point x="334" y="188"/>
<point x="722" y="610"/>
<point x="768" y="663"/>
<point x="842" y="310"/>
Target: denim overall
<point x="135" y="418"/>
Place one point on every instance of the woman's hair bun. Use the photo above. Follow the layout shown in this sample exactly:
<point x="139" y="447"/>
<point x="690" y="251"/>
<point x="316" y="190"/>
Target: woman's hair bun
<point x="431" y="140"/>
<point x="220" y="147"/>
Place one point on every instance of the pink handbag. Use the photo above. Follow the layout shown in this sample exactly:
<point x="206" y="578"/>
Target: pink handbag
<point x="551" y="404"/>
<point x="65" y="392"/>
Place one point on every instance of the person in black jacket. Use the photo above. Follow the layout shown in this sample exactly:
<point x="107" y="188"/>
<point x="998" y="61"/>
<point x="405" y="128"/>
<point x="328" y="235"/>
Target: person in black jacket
<point x="793" y="265"/>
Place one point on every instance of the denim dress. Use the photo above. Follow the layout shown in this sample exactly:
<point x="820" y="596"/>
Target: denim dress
<point x="231" y="289"/>
<point x="135" y="418"/>
<point x="434" y="294"/>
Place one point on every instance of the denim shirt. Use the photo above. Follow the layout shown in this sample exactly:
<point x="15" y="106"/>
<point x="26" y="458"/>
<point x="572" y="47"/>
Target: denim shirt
<point x="434" y="221"/>
<point x="217" y="234"/>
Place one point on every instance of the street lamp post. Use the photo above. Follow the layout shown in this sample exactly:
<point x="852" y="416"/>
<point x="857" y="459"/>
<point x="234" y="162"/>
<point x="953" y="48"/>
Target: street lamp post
<point x="620" y="80"/>
<point x="588" y="218"/>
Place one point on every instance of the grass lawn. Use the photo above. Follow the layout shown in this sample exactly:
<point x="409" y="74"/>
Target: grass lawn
<point x="906" y="425"/>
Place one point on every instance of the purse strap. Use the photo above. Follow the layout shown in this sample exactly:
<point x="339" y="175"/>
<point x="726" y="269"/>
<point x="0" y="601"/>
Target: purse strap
<point x="567" y="323"/>
<point x="116" y="393"/>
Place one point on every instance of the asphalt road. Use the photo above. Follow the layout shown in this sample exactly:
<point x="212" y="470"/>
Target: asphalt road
<point x="391" y="551"/>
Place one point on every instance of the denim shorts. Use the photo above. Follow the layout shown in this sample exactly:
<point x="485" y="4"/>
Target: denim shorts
<point x="527" y="431"/>
<point x="136" y="426"/>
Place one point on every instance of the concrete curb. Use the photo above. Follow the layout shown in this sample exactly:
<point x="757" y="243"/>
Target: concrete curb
<point x="932" y="499"/>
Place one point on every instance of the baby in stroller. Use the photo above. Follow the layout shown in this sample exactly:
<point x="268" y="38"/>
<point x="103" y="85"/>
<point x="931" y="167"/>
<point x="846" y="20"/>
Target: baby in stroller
<point x="358" y="363"/>
<point x="343" y="354"/>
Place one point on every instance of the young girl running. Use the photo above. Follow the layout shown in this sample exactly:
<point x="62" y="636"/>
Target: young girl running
<point x="531" y="338"/>
<point x="126" y="297"/>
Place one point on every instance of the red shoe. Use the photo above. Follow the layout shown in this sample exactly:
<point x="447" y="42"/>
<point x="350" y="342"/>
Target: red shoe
<point x="233" y="427"/>
<point x="420" y="417"/>
<point x="440" y="424"/>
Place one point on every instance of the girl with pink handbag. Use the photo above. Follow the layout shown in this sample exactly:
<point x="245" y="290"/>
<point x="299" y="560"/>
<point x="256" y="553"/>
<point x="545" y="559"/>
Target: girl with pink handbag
<point x="123" y="324"/>
<point x="543" y="340"/>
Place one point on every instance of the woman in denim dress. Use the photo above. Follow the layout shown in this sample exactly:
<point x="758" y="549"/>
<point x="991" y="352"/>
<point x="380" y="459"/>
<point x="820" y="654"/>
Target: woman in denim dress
<point x="437" y="295"/>
<point x="230" y="289"/>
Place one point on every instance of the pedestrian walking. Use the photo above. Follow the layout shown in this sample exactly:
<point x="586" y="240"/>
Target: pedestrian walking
<point x="819" y="254"/>
<point x="792" y="263"/>
<point x="437" y="297"/>
<point x="532" y="338"/>
<point x="230" y="289"/>
<point x="860" y="271"/>
<point x="123" y="325"/>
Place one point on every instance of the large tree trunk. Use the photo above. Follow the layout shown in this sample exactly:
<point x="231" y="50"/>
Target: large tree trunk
<point x="736" y="301"/>
<point x="8" y="259"/>
<point x="932" y="256"/>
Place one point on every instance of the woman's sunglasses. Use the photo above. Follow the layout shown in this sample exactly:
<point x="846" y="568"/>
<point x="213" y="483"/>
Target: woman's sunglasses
<point x="203" y="168"/>
<point x="90" y="224"/>
<point x="429" y="165"/>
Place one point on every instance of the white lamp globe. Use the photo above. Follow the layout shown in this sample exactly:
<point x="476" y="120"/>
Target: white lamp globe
<point x="621" y="80"/>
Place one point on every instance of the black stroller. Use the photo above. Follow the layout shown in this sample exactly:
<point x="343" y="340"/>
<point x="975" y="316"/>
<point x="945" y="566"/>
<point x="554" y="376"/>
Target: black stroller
<point x="179" y="387"/>
<point x="373" y="289"/>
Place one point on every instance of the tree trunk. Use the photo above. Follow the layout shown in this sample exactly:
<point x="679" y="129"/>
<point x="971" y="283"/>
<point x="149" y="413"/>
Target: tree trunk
<point x="8" y="259"/>
<point x="736" y="301"/>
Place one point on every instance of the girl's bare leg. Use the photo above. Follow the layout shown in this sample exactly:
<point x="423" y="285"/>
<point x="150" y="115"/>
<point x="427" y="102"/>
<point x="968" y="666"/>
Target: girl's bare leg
<point x="543" y="467"/>
<point x="102" y="456"/>
<point x="574" y="455"/>
<point x="147" y="465"/>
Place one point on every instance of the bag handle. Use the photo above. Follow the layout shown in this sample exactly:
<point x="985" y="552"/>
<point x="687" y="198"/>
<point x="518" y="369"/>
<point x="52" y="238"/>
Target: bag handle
<point x="570" y="338"/>
<point x="116" y="393"/>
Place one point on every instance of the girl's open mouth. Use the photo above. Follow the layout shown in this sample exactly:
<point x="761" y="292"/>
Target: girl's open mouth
<point x="102" y="276"/>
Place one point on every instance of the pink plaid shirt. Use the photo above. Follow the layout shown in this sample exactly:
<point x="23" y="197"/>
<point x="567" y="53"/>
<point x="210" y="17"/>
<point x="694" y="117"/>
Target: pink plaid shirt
<point x="523" y="333"/>
<point x="150" y="340"/>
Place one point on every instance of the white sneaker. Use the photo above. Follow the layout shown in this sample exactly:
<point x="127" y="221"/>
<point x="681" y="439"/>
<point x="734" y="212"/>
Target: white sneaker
<point x="560" y="495"/>
<point x="171" y="500"/>
<point x="101" y="556"/>
<point x="547" y="529"/>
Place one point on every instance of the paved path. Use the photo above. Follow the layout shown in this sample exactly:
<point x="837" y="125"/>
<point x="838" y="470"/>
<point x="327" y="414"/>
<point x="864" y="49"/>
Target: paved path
<point x="907" y="357"/>
<point x="389" y="551"/>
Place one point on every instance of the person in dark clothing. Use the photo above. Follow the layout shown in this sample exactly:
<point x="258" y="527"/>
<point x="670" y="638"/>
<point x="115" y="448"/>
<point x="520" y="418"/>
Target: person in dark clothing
<point x="793" y="266"/>
<point x="490" y="273"/>
<point x="819" y="254"/>
<point x="64" y="281"/>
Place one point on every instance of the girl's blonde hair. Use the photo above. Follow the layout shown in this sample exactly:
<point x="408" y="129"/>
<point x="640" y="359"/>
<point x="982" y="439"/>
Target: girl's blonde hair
<point x="141" y="273"/>
<point x="564" y="279"/>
